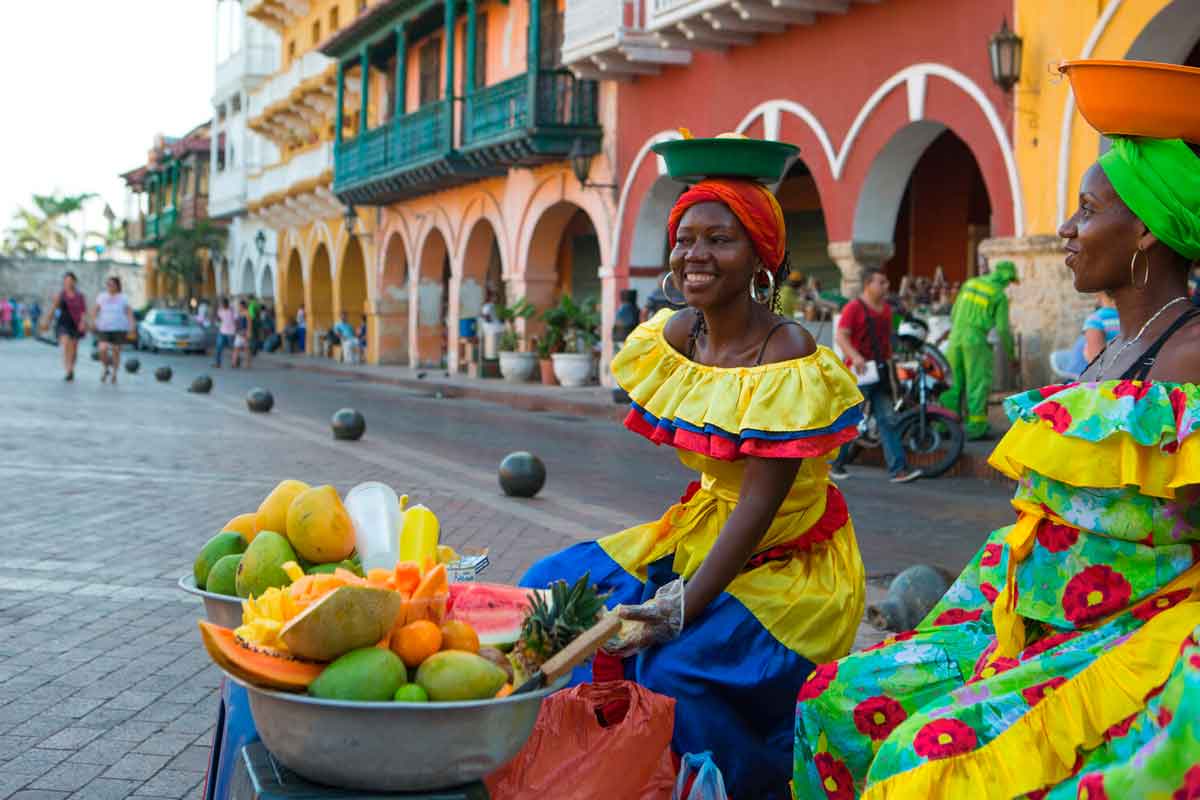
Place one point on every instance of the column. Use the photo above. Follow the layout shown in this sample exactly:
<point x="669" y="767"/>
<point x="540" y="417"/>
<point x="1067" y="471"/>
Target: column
<point x="449" y="26"/>
<point x="364" y="62"/>
<point x="401" y="69"/>
<point x="533" y="56"/>
<point x="853" y="258"/>
<point x="339" y="111"/>
<point x="469" y="67"/>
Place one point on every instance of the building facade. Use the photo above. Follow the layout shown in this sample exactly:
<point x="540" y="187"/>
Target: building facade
<point x="169" y="191"/>
<point x="247" y="54"/>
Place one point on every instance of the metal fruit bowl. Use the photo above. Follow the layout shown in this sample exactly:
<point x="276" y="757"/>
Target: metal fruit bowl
<point x="393" y="746"/>
<point x="221" y="609"/>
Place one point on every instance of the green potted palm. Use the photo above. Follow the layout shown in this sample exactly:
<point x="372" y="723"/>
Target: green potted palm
<point x="578" y="326"/>
<point x="515" y="366"/>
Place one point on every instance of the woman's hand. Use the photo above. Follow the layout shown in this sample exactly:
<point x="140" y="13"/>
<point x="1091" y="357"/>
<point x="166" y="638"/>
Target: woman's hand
<point x="765" y="484"/>
<point x="654" y="622"/>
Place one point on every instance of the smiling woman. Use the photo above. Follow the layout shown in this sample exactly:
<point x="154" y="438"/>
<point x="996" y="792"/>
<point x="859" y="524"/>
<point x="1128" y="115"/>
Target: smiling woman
<point x="755" y="574"/>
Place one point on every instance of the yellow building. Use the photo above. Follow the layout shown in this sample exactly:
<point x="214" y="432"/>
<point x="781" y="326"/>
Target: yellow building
<point x="1054" y="145"/>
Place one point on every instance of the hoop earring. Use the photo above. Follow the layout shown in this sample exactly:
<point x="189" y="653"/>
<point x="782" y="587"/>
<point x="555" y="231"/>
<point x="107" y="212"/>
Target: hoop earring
<point x="754" y="290"/>
<point x="669" y="276"/>
<point x="1133" y="270"/>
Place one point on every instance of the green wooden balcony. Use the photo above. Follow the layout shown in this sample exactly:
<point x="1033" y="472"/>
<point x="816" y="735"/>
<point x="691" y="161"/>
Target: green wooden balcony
<point x="409" y="155"/>
<point x="524" y="121"/>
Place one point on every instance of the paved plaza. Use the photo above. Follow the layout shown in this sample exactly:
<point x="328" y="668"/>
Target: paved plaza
<point x="108" y="493"/>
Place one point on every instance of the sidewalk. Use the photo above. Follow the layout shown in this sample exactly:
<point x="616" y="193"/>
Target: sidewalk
<point x="587" y="401"/>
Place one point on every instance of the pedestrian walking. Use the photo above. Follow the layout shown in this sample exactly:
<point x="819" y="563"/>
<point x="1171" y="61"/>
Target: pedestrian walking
<point x="864" y="334"/>
<point x="70" y="322"/>
<point x="5" y="318"/>
<point x="35" y="315"/>
<point x="301" y="340"/>
<point x="226" y="330"/>
<point x="18" y="323"/>
<point x="113" y="319"/>
<point x="981" y="306"/>
<point x="241" y="336"/>
<point x="347" y="339"/>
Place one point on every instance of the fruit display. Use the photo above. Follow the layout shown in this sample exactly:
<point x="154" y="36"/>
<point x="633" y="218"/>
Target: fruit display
<point x="311" y="621"/>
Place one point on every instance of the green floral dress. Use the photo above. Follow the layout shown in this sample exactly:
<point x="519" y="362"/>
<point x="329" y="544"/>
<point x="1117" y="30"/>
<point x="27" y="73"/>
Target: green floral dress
<point x="1064" y="662"/>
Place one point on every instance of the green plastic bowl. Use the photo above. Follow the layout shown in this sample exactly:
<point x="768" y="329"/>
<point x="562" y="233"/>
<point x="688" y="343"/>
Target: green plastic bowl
<point x="693" y="160"/>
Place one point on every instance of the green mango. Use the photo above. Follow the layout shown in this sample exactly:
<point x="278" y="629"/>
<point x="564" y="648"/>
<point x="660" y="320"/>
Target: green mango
<point x="225" y="543"/>
<point x="369" y="674"/>
<point x="262" y="564"/>
<point x="222" y="578"/>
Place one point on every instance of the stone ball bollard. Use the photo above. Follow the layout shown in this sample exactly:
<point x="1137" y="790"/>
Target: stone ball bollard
<point x="163" y="374"/>
<point x="348" y="425"/>
<point x="132" y="365"/>
<point x="522" y="474"/>
<point x="259" y="400"/>
<point x="201" y="385"/>
<point x="910" y="597"/>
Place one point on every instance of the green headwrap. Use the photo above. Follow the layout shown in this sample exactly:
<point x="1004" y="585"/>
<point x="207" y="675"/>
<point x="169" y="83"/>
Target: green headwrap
<point x="1159" y="179"/>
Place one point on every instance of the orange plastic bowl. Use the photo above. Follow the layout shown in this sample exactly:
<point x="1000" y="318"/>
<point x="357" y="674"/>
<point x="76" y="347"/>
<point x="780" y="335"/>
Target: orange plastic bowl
<point x="1137" y="98"/>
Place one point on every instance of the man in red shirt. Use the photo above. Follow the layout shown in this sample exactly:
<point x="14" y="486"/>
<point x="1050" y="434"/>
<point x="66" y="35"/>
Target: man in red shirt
<point x="864" y="334"/>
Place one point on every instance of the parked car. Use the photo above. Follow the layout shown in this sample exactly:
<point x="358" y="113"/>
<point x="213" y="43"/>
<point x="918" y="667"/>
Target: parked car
<point x="169" y="329"/>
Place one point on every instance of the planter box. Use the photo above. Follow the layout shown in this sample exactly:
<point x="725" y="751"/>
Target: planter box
<point x="518" y="367"/>
<point x="573" y="369"/>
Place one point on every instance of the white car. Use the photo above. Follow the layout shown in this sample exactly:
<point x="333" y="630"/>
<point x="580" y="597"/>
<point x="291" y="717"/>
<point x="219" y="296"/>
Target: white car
<point x="169" y="329"/>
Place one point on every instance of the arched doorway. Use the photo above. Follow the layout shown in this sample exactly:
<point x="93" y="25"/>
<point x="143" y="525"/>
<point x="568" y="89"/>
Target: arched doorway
<point x="292" y="285"/>
<point x="266" y="284"/>
<point x="247" y="287"/>
<point x="807" y="239"/>
<point x="391" y="318"/>
<point x="564" y="257"/>
<point x="926" y="204"/>
<point x="433" y="279"/>
<point x="352" y="290"/>
<point x="320" y="297"/>
<point x="481" y="280"/>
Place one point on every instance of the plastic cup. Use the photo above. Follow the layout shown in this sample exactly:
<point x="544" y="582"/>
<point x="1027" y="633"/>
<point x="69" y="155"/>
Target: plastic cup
<point x="375" y="511"/>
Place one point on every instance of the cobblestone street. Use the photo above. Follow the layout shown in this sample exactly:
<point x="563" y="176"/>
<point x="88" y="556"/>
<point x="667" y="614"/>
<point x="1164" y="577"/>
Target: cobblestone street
<point x="108" y="493"/>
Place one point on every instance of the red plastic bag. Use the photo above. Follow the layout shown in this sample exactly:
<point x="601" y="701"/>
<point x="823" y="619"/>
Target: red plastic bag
<point x="572" y="755"/>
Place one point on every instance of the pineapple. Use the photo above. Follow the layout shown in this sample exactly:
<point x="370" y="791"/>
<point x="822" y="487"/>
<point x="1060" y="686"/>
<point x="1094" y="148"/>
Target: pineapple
<point x="551" y="626"/>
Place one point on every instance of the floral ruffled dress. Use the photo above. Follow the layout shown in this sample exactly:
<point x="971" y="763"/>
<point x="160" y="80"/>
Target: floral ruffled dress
<point x="1064" y="662"/>
<point x="734" y="672"/>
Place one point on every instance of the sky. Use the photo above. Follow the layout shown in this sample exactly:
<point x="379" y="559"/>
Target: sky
<point x="86" y="86"/>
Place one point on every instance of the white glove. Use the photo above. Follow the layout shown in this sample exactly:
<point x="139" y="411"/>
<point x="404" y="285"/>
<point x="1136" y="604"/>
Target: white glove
<point x="654" y="622"/>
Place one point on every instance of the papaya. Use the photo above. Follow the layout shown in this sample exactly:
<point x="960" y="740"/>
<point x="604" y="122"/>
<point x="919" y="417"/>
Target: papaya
<point x="433" y="583"/>
<point x="258" y="666"/>
<point x="319" y="526"/>
<point x="272" y="513"/>
<point x="348" y="618"/>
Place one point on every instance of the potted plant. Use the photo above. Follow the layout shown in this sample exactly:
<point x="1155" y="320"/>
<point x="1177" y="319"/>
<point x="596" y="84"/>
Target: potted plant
<point x="545" y="346"/>
<point x="515" y="365"/>
<point x="579" y="324"/>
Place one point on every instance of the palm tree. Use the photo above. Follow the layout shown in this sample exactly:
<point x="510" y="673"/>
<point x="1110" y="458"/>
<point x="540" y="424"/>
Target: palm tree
<point x="44" y="230"/>
<point x="180" y="255"/>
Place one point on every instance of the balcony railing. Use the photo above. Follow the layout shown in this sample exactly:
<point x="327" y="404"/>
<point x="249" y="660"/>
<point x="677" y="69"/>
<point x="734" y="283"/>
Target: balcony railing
<point x="502" y="111"/>
<point x="310" y="65"/>
<point x="135" y="232"/>
<point x="250" y="61"/>
<point x="277" y="178"/>
<point x="496" y="110"/>
<point x="405" y="142"/>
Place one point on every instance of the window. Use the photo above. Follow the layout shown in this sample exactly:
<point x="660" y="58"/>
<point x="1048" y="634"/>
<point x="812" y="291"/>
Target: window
<point x="333" y="19"/>
<point x="481" y="51"/>
<point x="430" y="68"/>
<point x="316" y="32"/>
<point x="552" y="35"/>
<point x="221" y="113"/>
<point x="235" y="103"/>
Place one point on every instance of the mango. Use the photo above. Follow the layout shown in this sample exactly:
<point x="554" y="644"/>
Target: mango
<point x="226" y="543"/>
<point x="459" y="675"/>
<point x="370" y="674"/>
<point x="222" y="578"/>
<point x="262" y="564"/>
<point x="319" y="527"/>
<point x="272" y="513"/>
<point x="243" y="524"/>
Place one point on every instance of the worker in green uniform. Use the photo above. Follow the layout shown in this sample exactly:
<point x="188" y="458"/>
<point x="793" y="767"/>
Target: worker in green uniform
<point x="981" y="305"/>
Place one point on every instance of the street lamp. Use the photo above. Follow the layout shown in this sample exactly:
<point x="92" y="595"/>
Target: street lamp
<point x="1004" y="51"/>
<point x="581" y="165"/>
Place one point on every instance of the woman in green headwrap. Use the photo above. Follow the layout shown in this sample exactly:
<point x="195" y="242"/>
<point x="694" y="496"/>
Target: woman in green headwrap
<point x="1064" y="662"/>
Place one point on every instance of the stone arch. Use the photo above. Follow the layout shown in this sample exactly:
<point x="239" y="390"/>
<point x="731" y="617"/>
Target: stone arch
<point x="320" y="295"/>
<point x="266" y="283"/>
<point x="804" y="214"/>
<point x="392" y="302"/>
<point x="431" y="295"/>
<point x="478" y="279"/>
<point x="565" y="255"/>
<point x="247" y="286"/>
<point x="648" y="244"/>
<point x="891" y="204"/>
<point x="291" y="296"/>
<point x="351" y="293"/>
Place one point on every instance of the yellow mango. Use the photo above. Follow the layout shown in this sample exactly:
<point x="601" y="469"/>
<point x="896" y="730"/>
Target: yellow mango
<point x="272" y="513"/>
<point x="319" y="527"/>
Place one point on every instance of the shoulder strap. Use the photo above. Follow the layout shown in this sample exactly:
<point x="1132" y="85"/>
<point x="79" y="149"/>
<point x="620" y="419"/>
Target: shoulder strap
<point x="1141" y="368"/>
<point x="763" y="350"/>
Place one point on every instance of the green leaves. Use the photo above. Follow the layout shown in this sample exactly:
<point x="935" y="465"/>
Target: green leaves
<point x="573" y="326"/>
<point x="44" y="230"/>
<point x="179" y="255"/>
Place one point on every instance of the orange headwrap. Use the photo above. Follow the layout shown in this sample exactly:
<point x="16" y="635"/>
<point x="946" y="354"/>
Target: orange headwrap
<point x="754" y="206"/>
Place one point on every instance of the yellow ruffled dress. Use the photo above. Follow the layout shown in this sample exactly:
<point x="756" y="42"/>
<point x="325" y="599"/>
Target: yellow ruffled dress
<point x="735" y="671"/>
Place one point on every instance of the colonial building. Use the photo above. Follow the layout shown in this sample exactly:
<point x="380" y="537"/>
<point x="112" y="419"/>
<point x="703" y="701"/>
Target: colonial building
<point x="247" y="54"/>
<point x="170" y="190"/>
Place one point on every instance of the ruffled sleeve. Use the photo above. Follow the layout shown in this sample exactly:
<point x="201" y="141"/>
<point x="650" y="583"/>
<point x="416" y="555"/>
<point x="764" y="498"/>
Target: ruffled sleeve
<point x="1106" y="435"/>
<point x="802" y="408"/>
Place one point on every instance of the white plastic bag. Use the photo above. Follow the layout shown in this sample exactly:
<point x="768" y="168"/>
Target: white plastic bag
<point x="705" y="778"/>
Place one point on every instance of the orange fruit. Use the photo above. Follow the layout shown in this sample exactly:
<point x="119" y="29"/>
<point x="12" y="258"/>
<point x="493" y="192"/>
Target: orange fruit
<point x="458" y="635"/>
<point x="416" y="642"/>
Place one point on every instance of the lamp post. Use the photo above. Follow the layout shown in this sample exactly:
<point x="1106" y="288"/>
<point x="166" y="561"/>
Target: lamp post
<point x="1004" y="53"/>
<point x="581" y="165"/>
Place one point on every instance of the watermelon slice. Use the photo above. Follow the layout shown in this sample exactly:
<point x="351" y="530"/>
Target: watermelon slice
<point x="494" y="610"/>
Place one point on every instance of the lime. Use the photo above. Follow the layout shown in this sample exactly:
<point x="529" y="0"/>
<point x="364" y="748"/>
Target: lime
<point x="411" y="693"/>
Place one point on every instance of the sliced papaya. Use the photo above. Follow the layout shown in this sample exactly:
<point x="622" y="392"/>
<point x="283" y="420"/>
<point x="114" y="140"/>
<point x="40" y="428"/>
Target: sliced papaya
<point x="433" y="583"/>
<point x="270" y="670"/>
<point x="406" y="576"/>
